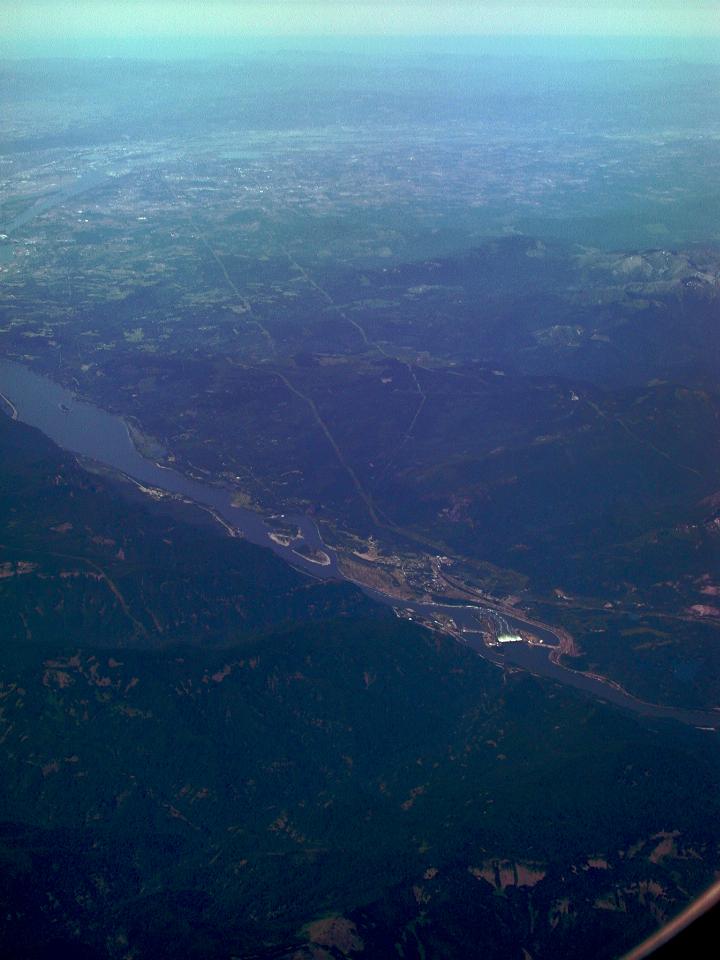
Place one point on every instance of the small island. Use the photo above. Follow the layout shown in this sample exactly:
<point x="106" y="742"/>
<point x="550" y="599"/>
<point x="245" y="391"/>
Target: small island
<point x="313" y="555"/>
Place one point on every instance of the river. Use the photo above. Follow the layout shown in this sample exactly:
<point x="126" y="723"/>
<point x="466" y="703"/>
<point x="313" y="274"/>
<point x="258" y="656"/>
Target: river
<point x="83" y="183"/>
<point x="84" y="429"/>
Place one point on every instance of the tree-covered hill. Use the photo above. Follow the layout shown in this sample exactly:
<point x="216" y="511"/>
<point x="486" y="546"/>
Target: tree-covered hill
<point x="352" y="785"/>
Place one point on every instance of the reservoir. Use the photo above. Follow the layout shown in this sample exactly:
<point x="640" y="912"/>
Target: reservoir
<point x="83" y="428"/>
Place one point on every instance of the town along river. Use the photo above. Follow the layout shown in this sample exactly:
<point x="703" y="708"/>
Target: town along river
<point x="82" y="428"/>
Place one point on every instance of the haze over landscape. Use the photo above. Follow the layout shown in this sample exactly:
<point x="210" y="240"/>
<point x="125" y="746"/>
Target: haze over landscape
<point x="360" y="478"/>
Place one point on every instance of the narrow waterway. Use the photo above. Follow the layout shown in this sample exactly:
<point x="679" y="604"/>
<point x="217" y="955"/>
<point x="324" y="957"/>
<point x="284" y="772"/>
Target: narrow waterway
<point x="83" y="428"/>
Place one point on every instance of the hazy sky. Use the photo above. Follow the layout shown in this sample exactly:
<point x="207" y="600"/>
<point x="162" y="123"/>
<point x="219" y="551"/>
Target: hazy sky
<point x="64" y="19"/>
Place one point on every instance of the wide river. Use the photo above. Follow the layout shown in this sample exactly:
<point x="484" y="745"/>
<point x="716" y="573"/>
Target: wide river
<point x="85" y="429"/>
